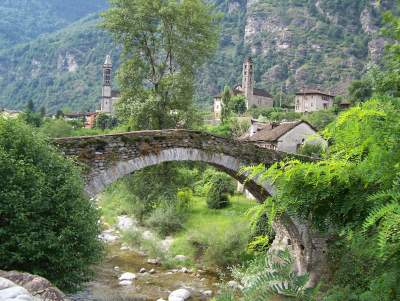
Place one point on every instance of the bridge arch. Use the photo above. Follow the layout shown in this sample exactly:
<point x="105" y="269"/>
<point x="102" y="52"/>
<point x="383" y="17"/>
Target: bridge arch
<point x="223" y="162"/>
<point x="108" y="158"/>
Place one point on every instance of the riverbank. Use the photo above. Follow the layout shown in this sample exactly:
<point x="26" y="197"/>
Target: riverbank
<point x="159" y="266"/>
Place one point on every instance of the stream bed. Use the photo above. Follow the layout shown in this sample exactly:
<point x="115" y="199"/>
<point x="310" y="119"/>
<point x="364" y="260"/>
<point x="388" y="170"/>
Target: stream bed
<point x="147" y="286"/>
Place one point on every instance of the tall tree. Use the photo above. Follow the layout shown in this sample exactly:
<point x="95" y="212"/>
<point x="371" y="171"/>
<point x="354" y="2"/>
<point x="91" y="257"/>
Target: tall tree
<point x="164" y="42"/>
<point x="226" y="99"/>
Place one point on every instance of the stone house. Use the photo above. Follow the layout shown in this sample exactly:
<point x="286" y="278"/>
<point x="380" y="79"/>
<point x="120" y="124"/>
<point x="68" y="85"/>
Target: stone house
<point x="312" y="101"/>
<point x="109" y="97"/>
<point x="254" y="97"/>
<point x="287" y="137"/>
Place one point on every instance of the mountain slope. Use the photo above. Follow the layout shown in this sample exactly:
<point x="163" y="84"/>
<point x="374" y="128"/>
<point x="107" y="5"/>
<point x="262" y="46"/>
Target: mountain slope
<point x="294" y="43"/>
<point x="23" y="20"/>
<point x="61" y="70"/>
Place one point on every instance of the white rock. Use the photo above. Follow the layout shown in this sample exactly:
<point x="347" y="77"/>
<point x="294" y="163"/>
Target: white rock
<point x="127" y="276"/>
<point x="180" y="258"/>
<point x="108" y="236"/>
<point x="184" y="270"/>
<point x="152" y="271"/>
<point x="5" y="283"/>
<point x="180" y="295"/>
<point x="161" y="299"/>
<point x="207" y="293"/>
<point x="116" y="268"/>
<point x="15" y="292"/>
<point x="234" y="284"/>
<point x="153" y="261"/>
<point x="142" y="270"/>
<point x="148" y="235"/>
<point x="125" y="223"/>
<point x="125" y="282"/>
<point x="124" y="248"/>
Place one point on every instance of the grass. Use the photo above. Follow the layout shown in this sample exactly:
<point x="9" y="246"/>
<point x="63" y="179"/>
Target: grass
<point x="204" y="220"/>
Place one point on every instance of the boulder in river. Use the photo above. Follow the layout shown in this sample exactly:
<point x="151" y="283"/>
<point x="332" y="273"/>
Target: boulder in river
<point x="24" y="285"/>
<point x="127" y="276"/>
<point x="126" y="223"/>
<point x="180" y="295"/>
<point x="180" y="258"/>
<point x="153" y="261"/>
<point x="125" y="282"/>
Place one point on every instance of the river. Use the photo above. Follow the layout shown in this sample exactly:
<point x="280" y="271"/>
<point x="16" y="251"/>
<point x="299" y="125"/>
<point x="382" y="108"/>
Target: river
<point x="146" y="287"/>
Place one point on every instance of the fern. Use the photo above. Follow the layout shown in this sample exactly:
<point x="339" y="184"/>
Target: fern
<point x="386" y="219"/>
<point x="272" y="275"/>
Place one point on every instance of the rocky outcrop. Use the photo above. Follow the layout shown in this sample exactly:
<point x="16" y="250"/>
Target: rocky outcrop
<point x="23" y="286"/>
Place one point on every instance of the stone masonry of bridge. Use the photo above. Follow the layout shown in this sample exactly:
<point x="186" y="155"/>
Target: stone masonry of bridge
<point x="108" y="158"/>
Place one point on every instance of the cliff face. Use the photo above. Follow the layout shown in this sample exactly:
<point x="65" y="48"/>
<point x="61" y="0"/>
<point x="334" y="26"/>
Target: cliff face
<point x="294" y="43"/>
<point x="302" y="43"/>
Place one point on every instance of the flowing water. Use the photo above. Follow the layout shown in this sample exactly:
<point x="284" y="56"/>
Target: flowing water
<point x="105" y="285"/>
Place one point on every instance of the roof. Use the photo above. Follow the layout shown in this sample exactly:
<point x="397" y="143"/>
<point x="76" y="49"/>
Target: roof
<point x="311" y="91"/>
<point x="261" y="92"/>
<point x="271" y="133"/>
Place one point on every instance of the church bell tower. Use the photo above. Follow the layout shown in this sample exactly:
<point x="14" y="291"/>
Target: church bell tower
<point x="248" y="81"/>
<point x="106" y="102"/>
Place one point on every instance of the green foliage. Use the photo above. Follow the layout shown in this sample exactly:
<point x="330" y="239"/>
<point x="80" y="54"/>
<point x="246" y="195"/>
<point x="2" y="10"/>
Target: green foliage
<point x="238" y="104"/>
<point x="219" y="187"/>
<point x="312" y="150"/>
<point x="321" y="119"/>
<point x="217" y="198"/>
<point x="167" y="218"/>
<point x="105" y="121"/>
<point x="57" y="128"/>
<point x="47" y="227"/>
<point x="360" y="90"/>
<point x="160" y="57"/>
<point x="270" y="276"/>
<point x="220" y="248"/>
<point x="386" y="220"/>
<point x="226" y="104"/>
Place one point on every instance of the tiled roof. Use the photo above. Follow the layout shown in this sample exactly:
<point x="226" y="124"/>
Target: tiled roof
<point x="261" y="92"/>
<point x="311" y="91"/>
<point x="272" y="134"/>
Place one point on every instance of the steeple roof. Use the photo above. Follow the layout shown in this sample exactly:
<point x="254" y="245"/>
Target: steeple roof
<point x="108" y="60"/>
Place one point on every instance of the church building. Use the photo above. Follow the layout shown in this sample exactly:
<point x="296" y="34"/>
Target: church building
<point x="109" y="97"/>
<point x="254" y="97"/>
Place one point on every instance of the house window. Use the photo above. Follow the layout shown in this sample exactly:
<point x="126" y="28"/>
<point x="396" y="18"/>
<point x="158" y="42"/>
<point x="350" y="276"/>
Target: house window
<point x="325" y="106"/>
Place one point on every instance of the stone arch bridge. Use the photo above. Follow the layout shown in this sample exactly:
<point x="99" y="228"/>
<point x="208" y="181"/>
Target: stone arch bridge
<point x="107" y="158"/>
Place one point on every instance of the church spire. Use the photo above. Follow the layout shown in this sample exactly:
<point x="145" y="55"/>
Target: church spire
<point x="108" y="60"/>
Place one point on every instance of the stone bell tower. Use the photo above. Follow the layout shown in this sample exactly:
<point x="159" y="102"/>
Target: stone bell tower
<point x="248" y="81"/>
<point x="106" y="100"/>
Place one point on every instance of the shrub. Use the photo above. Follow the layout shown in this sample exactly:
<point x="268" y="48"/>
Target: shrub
<point x="222" y="247"/>
<point x="169" y="216"/>
<point x="218" y="186"/>
<point x="47" y="226"/>
<point x="217" y="198"/>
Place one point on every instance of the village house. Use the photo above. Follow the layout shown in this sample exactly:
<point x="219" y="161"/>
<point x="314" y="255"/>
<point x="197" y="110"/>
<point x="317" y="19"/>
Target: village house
<point x="313" y="100"/>
<point x="9" y="113"/>
<point x="88" y="118"/>
<point x="287" y="137"/>
<point x="254" y="97"/>
<point x="109" y="97"/>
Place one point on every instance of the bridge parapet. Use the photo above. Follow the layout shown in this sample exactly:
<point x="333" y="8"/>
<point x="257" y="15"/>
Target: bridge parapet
<point x="100" y="151"/>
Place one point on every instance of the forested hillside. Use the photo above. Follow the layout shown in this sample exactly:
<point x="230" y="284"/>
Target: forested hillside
<point x="23" y="20"/>
<point x="294" y="43"/>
